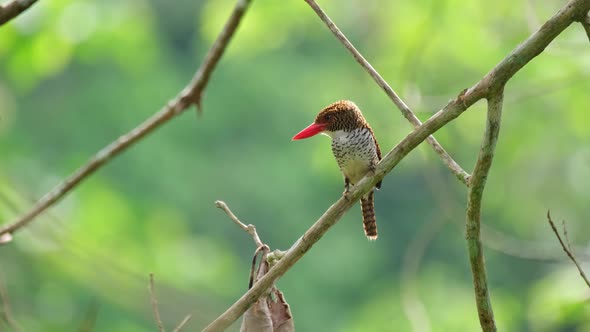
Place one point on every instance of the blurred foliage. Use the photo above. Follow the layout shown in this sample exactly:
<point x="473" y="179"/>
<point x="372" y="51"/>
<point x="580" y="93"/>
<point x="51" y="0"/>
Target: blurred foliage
<point x="74" y="75"/>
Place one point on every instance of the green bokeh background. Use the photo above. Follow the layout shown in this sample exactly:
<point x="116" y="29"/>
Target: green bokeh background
<point x="75" y="75"/>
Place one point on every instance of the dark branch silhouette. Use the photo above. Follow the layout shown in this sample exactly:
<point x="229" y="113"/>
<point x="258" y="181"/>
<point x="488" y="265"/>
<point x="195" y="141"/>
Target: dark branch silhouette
<point x="14" y="8"/>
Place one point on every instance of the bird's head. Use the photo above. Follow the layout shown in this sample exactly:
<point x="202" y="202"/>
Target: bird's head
<point x="341" y="115"/>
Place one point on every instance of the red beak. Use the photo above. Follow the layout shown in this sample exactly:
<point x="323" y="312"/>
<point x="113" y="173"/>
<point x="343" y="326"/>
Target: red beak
<point x="311" y="130"/>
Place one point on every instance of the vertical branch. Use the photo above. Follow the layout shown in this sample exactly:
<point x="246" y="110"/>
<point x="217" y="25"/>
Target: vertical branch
<point x="585" y="21"/>
<point x="154" y="301"/>
<point x="13" y="9"/>
<point x="473" y="223"/>
<point x="186" y="319"/>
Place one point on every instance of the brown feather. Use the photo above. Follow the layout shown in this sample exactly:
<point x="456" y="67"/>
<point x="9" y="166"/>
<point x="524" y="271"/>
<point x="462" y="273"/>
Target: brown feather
<point x="369" y="222"/>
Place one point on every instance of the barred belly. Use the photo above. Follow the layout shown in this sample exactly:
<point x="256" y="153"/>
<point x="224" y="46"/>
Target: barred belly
<point x="355" y="151"/>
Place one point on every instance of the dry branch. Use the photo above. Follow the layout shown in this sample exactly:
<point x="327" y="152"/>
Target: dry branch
<point x="338" y="209"/>
<point x="154" y="301"/>
<point x="586" y="24"/>
<point x="492" y="82"/>
<point x="250" y="229"/>
<point x="186" y="319"/>
<point x="156" y="310"/>
<point x="191" y="94"/>
<point x="473" y="223"/>
<point x="13" y="9"/>
<point x="567" y="248"/>
<point x="405" y="110"/>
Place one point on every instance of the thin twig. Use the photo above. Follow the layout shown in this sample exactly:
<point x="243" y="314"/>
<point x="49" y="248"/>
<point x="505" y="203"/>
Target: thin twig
<point x="191" y="94"/>
<point x="567" y="239"/>
<point x="182" y="323"/>
<point x="499" y="75"/>
<point x="13" y="9"/>
<point x="154" y="301"/>
<point x="250" y="229"/>
<point x="405" y="110"/>
<point x="7" y="309"/>
<point x="473" y="223"/>
<point x="566" y="248"/>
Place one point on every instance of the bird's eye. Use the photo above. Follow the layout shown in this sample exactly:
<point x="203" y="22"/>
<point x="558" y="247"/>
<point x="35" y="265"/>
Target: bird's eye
<point x="328" y="117"/>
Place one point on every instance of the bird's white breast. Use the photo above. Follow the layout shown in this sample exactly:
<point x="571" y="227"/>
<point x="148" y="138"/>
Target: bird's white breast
<point x="355" y="152"/>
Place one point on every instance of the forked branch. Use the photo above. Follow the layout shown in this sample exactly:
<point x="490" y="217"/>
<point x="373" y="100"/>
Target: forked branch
<point x="485" y="88"/>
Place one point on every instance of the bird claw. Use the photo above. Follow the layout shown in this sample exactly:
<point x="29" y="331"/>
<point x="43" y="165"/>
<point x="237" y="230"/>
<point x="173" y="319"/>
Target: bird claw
<point x="345" y="194"/>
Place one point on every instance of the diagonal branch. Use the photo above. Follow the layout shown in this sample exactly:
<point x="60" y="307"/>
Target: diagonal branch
<point x="567" y="248"/>
<point x="154" y="301"/>
<point x="13" y="9"/>
<point x="338" y="209"/>
<point x="496" y="78"/>
<point x="191" y="94"/>
<point x="406" y="111"/>
<point x="186" y="319"/>
<point x="156" y="310"/>
<point x="473" y="224"/>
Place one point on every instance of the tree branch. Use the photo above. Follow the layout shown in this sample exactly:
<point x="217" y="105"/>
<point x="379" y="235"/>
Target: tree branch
<point x="517" y="59"/>
<point x="13" y="9"/>
<point x="191" y="94"/>
<point x="567" y="247"/>
<point x="156" y="311"/>
<point x="337" y="210"/>
<point x="154" y="301"/>
<point x="186" y="319"/>
<point x="405" y="110"/>
<point x="473" y="224"/>
<point x="250" y="229"/>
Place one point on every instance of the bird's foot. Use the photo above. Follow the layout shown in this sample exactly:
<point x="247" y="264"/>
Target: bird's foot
<point x="345" y="194"/>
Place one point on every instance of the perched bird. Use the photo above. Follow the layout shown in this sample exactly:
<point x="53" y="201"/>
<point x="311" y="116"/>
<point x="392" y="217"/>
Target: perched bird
<point x="355" y="148"/>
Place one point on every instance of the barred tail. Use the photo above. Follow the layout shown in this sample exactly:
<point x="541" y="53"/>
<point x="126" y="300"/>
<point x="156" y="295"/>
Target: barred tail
<point x="369" y="222"/>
